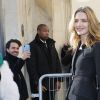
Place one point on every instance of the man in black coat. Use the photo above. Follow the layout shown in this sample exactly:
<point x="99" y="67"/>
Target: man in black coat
<point x="44" y="60"/>
<point x="16" y="64"/>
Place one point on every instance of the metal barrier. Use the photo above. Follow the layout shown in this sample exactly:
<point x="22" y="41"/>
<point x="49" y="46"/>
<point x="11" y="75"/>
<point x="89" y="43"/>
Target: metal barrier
<point x="60" y="76"/>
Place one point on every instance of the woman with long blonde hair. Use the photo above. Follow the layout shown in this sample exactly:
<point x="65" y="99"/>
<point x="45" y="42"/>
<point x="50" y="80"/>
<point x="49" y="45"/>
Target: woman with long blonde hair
<point x="85" y="40"/>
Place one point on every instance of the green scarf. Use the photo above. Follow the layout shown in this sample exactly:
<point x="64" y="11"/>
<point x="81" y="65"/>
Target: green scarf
<point x="1" y="59"/>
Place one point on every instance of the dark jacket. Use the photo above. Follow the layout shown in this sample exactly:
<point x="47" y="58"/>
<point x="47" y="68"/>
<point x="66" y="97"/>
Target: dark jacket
<point x="86" y="69"/>
<point x="43" y="60"/>
<point x="16" y="65"/>
<point x="66" y="58"/>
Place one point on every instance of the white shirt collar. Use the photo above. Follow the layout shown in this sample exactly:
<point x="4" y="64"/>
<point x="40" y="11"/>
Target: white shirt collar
<point x="42" y="41"/>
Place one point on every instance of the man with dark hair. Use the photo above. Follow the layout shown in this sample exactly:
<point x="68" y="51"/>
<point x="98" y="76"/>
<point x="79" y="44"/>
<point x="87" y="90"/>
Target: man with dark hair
<point x="44" y="60"/>
<point x="14" y="41"/>
<point x="16" y="64"/>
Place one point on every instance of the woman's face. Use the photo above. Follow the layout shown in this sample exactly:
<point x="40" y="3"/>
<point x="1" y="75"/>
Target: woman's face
<point x="81" y="23"/>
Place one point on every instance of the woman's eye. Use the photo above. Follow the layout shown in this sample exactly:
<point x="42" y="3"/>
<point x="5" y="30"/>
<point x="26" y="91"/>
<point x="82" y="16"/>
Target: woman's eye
<point x="76" y="21"/>
<point x="84" y="20"/>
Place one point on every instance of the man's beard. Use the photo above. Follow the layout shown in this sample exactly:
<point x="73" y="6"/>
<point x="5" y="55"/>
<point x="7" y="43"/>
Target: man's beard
<point x="44" y="38"/>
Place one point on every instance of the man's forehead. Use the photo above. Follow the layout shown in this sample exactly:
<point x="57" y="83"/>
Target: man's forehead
<point x="44" y="28"/>
<point x="14" y="44"/>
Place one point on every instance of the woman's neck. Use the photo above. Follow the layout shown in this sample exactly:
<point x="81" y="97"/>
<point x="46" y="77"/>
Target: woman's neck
<point x="83" y="39"/>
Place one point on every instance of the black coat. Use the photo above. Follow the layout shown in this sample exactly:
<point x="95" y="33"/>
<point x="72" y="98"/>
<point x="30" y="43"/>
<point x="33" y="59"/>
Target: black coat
<point x="16" y="65"/>
<point x="43" y="60"/>
<point x="66" y="58"/>
<point x="86" y="67"/>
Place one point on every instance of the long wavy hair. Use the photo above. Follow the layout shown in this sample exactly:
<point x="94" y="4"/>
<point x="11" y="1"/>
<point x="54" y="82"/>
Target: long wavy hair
<point x="94" y="28"/>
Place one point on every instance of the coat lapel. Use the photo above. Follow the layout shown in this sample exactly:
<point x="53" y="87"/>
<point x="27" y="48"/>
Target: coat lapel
<point x="74" y="58"/>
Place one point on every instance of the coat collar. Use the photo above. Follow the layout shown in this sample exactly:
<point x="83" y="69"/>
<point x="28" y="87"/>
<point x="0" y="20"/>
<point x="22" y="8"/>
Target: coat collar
<point x="49" y="41"/>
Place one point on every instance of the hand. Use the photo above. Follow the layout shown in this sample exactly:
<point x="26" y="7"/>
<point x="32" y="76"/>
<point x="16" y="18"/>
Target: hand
<point x="66" y="44"/>
<point x="58" y="85"/>
<point x="44" y="89"/>
<point x="26" y="55"/>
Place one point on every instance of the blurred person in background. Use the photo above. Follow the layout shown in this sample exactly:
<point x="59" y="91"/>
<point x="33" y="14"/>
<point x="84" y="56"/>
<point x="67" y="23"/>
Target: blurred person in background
<point x="16" y="64"/>
<point x="43" y="60"/>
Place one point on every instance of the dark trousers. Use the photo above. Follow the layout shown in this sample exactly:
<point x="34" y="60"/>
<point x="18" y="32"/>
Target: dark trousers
<point x="22" y="98"/>
<point x="48" y="95"/>
<point x="75" y="97"/>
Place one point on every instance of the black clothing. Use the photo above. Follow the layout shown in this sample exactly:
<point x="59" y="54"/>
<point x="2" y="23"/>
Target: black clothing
<point x="16" y="65"/>
<point x="66" y="59"/>
<point x="44" y="60"/>
<point x="0" y="75"/>
<point x="86" y="63"/>
<point x="66" y="55"/>
<point x="75" y="97"/>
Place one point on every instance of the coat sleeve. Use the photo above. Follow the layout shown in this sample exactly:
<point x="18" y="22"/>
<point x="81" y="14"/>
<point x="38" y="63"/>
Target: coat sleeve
<point x="66" y="55"/>
<point x="57" y="60"/>
<point x="97" y="62"/>
<point x="58" y="65"/>
<point x="66" y="60"/>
